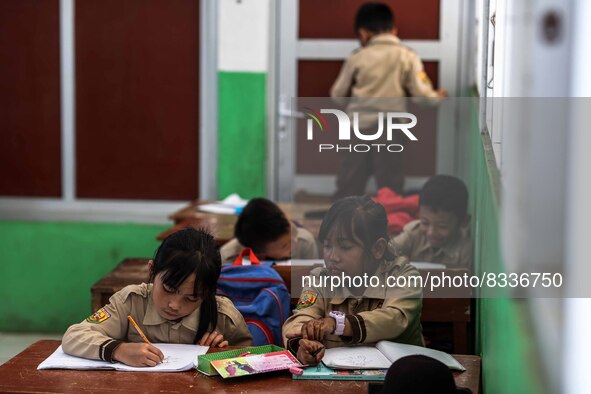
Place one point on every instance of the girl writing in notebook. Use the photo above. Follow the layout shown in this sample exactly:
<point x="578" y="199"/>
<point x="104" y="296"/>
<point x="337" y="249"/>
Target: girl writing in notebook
<point x="178" y="305"/>
<point x="354" y="240"/>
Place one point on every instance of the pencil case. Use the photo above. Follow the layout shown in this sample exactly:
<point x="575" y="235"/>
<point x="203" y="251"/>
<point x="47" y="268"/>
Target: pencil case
<point x="204" y="361"/>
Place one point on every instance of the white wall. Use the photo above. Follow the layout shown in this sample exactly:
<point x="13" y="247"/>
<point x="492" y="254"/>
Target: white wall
<point x="244" y="35"/>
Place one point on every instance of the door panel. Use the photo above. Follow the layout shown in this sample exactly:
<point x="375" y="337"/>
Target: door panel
<point x="30" y="163"/>
<point x="137" y="99"/>
<point x="415" y="19"/>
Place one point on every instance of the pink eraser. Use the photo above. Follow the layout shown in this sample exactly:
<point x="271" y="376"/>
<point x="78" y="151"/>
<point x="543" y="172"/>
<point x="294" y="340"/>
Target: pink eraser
<point x="296" y="370"/>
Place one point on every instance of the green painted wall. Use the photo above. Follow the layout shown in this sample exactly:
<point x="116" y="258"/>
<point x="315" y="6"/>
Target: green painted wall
<point x="503" y="334"/>
<point x="242" y="147"/>
<point x="47" y="268"/>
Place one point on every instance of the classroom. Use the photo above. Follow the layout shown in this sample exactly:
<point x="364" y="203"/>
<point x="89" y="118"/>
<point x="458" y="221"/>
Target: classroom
<point x="125" y="122"/>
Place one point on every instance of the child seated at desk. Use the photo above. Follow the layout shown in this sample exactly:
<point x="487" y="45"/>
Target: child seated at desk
<point x="179" y="305"/>
<point x="440" y="235"/>
<point x="354" y="235"/>
<point x="263" y="227"/>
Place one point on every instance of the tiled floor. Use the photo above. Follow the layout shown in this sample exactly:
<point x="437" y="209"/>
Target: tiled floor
<point x="11" y="344"/>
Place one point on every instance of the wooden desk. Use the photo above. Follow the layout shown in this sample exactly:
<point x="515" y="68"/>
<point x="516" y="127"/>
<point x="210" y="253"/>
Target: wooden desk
<point x="20" y="375"/>
<point x="440" y="310"/>
<point x="222" y="226"/>
<point x="131" y="271"/>
<point x="295" y="210"/>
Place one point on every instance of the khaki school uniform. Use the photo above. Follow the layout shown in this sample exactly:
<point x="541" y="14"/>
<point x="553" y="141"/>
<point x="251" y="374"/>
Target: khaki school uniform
<point x="377" y="78"/>
<point x="98" y="336"/>
<point x="381" y="313"/>
<point x="384" y="68"/>
<point x="305" y="246"/>
<point x="413" y="244"/>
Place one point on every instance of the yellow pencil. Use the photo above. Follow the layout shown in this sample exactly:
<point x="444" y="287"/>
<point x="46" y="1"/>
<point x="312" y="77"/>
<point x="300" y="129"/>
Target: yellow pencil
<point x="139" y="330"/>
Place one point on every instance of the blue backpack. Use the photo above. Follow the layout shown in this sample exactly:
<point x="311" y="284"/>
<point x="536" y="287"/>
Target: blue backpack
<point x="260" y="294"/>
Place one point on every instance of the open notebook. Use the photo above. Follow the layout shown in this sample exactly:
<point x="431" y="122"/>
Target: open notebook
<point x="177" y="357"/>
<point x="381" y="356"/>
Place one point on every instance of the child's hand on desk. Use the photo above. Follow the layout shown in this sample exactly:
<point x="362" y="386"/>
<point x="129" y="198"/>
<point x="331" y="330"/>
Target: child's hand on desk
<point x="317" y="329"/>
<point x="138" y="354"/>
<point x="213" y="339"/>
<point x="307" y="349"/>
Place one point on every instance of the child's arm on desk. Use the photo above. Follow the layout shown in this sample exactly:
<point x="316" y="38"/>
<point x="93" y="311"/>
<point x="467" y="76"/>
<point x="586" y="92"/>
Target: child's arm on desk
<point x="98" y="336"/>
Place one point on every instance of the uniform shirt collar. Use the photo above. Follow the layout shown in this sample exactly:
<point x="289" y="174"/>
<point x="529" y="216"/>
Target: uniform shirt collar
<point x="387" y="267"/>
<point x="384" y="38"/>
<point x="450" y="250"/>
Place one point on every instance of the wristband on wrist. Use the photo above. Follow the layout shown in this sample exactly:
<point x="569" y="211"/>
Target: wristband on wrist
<point x="339" y="317"/>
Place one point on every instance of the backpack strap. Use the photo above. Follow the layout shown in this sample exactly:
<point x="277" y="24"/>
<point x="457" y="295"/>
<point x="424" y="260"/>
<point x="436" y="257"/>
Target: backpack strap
<point x="247" y="251"/>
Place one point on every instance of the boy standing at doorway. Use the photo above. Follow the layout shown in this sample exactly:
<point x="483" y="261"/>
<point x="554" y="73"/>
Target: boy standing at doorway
<point x="382" y="68"/>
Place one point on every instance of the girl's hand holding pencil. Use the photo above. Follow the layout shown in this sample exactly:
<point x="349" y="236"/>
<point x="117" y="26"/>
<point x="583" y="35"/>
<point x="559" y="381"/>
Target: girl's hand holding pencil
<point x="138" y="354"/>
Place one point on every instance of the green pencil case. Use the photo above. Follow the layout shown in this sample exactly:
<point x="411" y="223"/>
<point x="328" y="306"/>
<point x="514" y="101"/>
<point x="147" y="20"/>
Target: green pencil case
<point x="204" y="361"/>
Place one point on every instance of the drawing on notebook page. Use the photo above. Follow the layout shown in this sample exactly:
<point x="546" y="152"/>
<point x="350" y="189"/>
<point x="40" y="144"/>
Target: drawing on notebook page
<point x="357" y="360"/>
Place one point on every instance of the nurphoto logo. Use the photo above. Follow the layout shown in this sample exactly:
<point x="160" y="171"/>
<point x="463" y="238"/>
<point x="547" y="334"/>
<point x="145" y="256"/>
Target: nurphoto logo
<point x="389" y="122"/>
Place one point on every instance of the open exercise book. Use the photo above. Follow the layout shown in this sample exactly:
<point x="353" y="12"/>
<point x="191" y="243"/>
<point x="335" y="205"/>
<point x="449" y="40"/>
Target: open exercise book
<point x="369" y="363"/>
<point x="177" y="357"/>
<point x="381" y="356"/>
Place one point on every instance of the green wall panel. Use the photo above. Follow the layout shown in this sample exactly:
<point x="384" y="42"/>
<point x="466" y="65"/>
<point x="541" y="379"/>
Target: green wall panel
<point x="242" y="146"/>
<point x="504" y="336"/>
<point x="47" y="268"/>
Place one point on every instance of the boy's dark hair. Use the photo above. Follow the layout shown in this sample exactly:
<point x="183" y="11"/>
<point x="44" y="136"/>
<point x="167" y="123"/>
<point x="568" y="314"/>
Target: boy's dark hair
<point x="260" y="222"/>
<point x="187" y="252"/>
<point x="420" y="374"/>
<point x="375" y="17"/>
<point x="357" y="218"/>
<point x="445" y="193"/>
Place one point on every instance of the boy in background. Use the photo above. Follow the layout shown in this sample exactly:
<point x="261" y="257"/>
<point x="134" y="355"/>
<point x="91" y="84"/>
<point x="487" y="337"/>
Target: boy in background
<point x="263" y="227"/>
<point x="381" y="69"/>
<point x="440" y="235"/>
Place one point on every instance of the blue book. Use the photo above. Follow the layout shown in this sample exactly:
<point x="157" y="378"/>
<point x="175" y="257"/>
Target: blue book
<point x="322" y="372"/>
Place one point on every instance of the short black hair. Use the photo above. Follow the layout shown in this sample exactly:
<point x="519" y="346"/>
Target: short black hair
<point x="445" y="193"/>
<point x="419" y="374"/>
<point x="375" y="17"/>
<point x="260" y="222"/>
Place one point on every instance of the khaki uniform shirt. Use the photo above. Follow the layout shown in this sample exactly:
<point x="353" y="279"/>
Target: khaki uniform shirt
<point x="98" y="336"/>
<point x="381" y="313"/>
<point x="413" y="244"/>
<point x="305" y="246"/>
<point x="384" y="68"/>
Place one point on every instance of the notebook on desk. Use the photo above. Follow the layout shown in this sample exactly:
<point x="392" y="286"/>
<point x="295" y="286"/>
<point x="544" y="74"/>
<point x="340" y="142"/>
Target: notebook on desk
<point x="382" y="356"/>
<point x="177" y="357"/>
<point x="231" y="205"/>
<point x="369" y="363"/>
